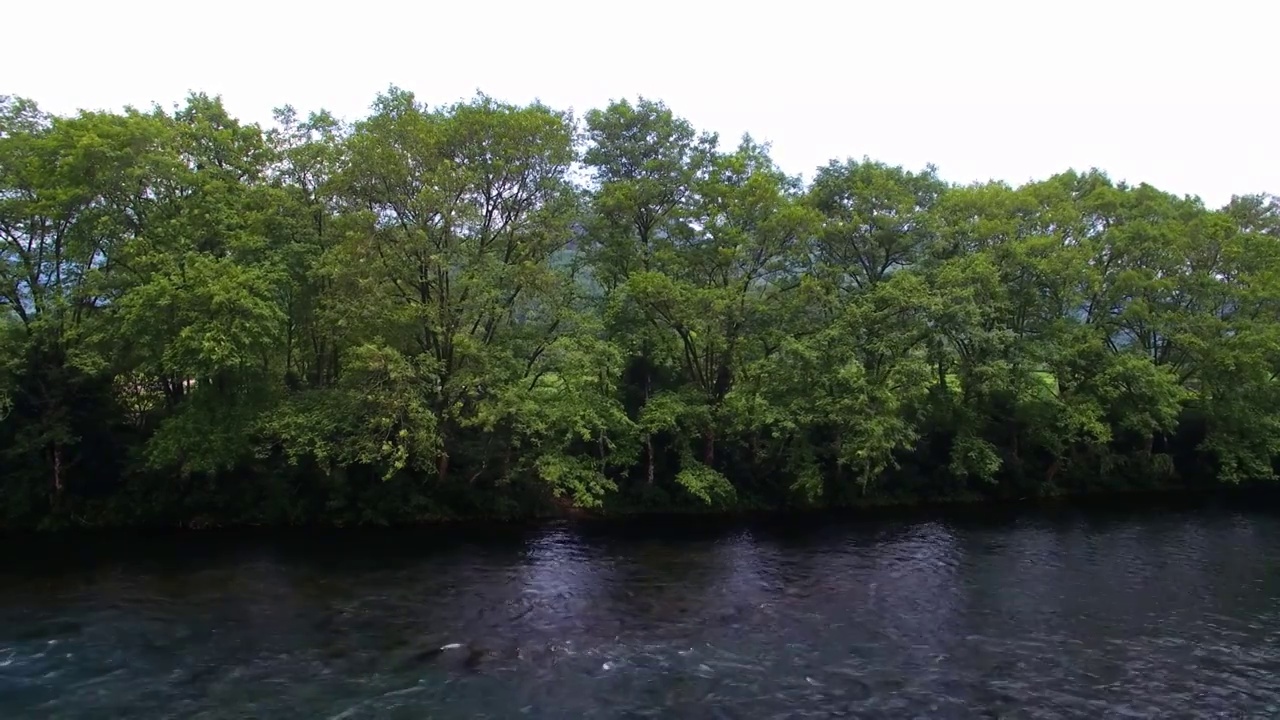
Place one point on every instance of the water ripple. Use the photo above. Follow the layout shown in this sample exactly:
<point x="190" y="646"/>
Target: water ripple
<point x="1174" y="615"/>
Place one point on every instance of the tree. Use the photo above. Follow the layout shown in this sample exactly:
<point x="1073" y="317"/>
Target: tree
<point x="197" y="317"/>
<point x="877" y="219"/>
<point x="646" y="166"/>
<point x="434" y="311"/>
<point x="444" y="270"/>
<point x="61" y="181"/>
<point x="706" y="295"/>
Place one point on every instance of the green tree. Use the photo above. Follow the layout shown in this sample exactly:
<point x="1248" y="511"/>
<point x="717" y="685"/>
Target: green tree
<point x="484" y="308"/>
<point x="61" y="181"/>
<point x="646" y="166"/>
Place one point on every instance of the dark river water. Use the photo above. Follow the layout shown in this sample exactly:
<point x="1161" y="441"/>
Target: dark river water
<point x="1043" y="615"/>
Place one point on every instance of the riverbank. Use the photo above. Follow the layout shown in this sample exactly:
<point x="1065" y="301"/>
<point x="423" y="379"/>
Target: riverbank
<point x="1246" y="495"/>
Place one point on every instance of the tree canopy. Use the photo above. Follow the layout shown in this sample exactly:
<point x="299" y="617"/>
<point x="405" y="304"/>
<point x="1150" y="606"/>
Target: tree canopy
<point x="489" y="309"/>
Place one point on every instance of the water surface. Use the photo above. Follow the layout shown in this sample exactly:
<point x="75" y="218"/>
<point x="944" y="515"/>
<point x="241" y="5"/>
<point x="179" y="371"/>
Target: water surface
<point x="1153" y="614"/>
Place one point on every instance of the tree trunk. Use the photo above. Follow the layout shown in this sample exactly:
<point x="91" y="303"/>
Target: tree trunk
<point x="755" y="452"/>
<point x="648" y="454"/>
<point x="1053" y="471"/>
<point x="442" y="465"/>
<point x="648" y="439"/>
<point x="839" y="474"/>
<point x="57" y="469"/>
<point x="709" y="448"/>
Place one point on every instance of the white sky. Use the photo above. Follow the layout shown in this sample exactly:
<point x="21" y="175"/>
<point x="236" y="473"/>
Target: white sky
<point x="1180" y="94"/>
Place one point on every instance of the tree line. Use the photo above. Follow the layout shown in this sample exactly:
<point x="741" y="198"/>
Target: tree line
<point x="488" y="309"/>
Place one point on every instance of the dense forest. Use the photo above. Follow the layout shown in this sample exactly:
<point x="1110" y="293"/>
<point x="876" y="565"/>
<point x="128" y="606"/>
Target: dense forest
<point x="495" y="310"/>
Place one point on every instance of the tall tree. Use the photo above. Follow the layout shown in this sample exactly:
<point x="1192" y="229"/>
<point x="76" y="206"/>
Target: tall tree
<point x="646" y="165"/>
<point x="61" y="180"/>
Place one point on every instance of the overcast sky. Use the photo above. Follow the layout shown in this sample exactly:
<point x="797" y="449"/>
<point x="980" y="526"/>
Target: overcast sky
<point x="1180" y="94"/>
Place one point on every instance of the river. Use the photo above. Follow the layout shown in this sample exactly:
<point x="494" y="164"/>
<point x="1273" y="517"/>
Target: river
<point x="1161" y="614"/>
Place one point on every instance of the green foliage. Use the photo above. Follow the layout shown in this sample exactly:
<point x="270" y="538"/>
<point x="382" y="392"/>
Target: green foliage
<point x="705" y="483"/>
<point x="491" y="309"/>
<point x="379" y="415"/>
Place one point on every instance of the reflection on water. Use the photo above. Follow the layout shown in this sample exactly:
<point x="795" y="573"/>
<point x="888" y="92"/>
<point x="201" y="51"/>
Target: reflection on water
<point x="1171" y="614"/>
